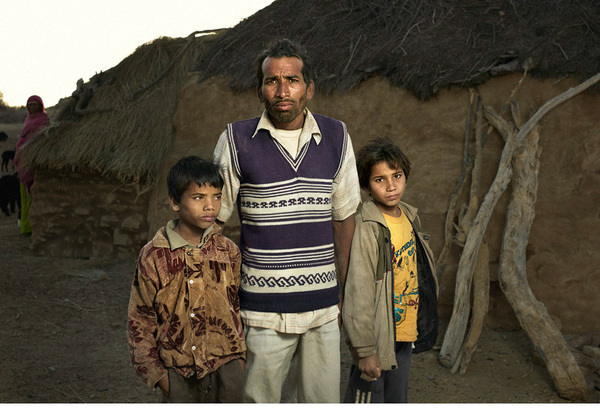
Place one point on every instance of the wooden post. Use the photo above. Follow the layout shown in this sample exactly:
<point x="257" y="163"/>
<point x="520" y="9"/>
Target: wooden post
<point x="481" y="300"/>
<point x="532" y="314"/>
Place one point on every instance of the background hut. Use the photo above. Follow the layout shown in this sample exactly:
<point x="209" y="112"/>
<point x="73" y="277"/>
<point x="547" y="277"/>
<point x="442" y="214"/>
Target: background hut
<point x="403" y="69"/>
<point x="100" y="158"/>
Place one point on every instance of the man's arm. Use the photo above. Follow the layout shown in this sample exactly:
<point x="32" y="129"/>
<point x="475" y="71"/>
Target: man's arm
<point x="343" y="231"/>
<point x="222" y="157"/>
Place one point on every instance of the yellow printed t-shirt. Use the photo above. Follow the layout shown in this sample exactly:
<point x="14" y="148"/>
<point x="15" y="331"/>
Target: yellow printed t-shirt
<point x="406" y="284"/>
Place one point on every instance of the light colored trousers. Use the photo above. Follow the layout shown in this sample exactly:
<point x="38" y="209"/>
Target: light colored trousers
<point x="314" y="355"/>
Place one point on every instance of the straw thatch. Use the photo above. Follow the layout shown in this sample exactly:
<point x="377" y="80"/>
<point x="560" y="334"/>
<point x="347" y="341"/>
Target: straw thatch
<point x="119" y="123"/>
<point x="419" y="45"/>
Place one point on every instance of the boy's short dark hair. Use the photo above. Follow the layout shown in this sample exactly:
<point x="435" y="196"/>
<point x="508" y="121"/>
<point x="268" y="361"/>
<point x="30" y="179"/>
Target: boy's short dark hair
<point x="192" y="169"/>
<point x="285" y="48"/>
<point x="380" y="149"/>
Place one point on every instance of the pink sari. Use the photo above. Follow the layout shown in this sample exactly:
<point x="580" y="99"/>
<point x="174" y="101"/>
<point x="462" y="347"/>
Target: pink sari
<point x="33" y="124"/>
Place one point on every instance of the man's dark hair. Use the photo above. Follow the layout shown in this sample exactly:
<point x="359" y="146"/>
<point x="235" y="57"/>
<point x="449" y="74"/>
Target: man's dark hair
<point x="285" y="48"/>
<point x="380" y="149"/>
<point x="192" y="169"/>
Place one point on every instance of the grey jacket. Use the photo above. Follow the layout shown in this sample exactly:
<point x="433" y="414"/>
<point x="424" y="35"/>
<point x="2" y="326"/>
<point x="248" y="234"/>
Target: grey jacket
<point x="368" y="307"/>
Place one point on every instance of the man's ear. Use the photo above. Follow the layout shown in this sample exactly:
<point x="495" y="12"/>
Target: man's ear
<point x="310" y="90"/>
<point x="259" y="93"/>
<point x="174" y="205"/>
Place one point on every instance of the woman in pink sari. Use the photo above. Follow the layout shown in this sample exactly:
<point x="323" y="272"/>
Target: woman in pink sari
<point x="36" y="120"/>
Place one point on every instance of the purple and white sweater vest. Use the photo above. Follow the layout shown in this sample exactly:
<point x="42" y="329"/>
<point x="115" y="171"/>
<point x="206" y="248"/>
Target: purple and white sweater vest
<point x="284" y="205"/>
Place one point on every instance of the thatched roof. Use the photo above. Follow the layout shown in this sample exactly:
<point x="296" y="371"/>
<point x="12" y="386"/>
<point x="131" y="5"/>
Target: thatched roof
<point x="419" y="45"/>
<point x="120" y="122"/>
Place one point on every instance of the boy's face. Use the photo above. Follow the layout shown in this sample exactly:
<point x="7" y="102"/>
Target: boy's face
<point x="198" y="210"/>
<point x="386" y="186"/>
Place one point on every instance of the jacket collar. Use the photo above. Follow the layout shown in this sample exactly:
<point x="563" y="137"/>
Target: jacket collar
<point x="166" y="237"/>
<point x="370" y="212"/>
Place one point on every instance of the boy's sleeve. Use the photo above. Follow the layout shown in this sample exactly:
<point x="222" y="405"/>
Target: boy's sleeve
<point x="358" y="309"/>
<point x="142" y="325"/>
<point x="236" y="261"/>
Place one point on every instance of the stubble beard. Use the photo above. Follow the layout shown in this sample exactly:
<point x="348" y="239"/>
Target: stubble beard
<point x="289" y="115"/>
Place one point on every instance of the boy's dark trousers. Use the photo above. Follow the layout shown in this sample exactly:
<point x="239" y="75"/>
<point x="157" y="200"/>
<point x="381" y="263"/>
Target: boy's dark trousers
<point x="225" y="385"/>
<point x="391" y="387"/>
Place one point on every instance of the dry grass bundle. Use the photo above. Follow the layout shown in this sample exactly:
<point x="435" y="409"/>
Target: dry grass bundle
<point x="419" y="45"/>
<point x="119" y="123"/>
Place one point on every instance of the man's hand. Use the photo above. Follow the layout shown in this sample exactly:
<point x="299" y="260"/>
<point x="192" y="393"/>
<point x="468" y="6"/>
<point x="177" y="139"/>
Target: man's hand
<point x="370" y="367"/>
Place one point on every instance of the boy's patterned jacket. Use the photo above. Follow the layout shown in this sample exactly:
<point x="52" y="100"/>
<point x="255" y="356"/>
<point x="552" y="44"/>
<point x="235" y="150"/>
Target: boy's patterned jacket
<point x="184" y="308"/>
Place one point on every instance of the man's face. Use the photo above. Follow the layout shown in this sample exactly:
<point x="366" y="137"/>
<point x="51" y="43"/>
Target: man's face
<point x="284" y="92"/>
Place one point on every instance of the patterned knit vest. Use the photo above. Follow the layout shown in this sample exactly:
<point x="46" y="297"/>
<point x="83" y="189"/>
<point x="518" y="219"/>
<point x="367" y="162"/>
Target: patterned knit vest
<point x="284" y="205"/>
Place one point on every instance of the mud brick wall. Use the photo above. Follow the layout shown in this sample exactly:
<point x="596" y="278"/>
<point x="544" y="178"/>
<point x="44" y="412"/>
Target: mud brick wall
<point x="86" y="215"/>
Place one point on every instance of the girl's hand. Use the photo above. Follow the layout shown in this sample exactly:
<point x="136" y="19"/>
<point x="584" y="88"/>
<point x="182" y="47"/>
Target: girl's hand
<point x="370" y="367"/>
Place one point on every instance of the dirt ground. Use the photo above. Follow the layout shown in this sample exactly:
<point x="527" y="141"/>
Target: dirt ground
<point x="63" y="341"/>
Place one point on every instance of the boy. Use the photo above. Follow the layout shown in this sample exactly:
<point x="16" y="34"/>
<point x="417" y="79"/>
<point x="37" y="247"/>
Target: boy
<point x="184" y="332"/>
<point x="390" y="300"/>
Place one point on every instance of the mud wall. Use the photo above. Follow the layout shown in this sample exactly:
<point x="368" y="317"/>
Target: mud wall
<point x="562" y="260"/>
<point x="85" y="215"/>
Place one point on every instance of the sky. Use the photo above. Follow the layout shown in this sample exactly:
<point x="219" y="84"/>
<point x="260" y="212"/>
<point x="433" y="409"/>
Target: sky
<point x="47" y="45"/>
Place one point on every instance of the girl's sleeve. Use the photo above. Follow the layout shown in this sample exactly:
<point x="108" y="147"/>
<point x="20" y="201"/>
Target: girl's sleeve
<point x="358" y="309"/>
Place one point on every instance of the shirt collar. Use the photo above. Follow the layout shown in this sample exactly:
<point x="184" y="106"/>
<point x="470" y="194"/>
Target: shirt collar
<point x="309" y="130"/>
<point x="176" y="241"/>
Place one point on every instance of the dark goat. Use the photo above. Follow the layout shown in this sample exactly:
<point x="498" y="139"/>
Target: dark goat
<point x="7" y="156"/>
<point x="10" y="193"/>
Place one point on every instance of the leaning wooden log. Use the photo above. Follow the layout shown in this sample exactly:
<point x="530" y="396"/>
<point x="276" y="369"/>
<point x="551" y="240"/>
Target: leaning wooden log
<point x="452" y="211"/>
<point x="466" y="219"/>
<point x="481" y="301"/>
<point x="481" y="274"/>
<point x="457" y="325"/>
<point x="532" y="314"/>
<point x="455" y="333"/>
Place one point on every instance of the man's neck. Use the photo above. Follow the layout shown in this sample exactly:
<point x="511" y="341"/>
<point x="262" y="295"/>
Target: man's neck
<point x="295" y="124"/>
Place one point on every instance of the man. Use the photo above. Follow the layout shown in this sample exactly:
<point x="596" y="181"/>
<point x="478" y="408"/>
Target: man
<point x="293" y="177"/>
